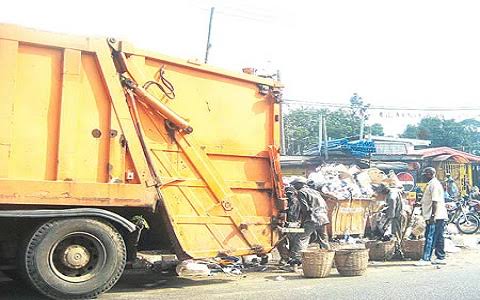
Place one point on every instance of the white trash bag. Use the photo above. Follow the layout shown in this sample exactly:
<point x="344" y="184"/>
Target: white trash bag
<point x="192" y="268"/>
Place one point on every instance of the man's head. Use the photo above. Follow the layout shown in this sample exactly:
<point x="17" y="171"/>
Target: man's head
<point x="299" y="182"/>
<point x="289" y="191"/>
<point x="429" y="173"/>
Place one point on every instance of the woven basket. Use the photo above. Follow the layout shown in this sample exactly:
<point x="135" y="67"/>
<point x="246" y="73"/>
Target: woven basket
<point x="413" y="249"/>
<point x="317" y="263"/>
<point x="351" y="262"/>
<point x="380" y="251"/>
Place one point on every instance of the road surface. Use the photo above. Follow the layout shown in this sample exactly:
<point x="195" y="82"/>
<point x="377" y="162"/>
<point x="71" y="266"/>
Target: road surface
<point x="460" y="279"/>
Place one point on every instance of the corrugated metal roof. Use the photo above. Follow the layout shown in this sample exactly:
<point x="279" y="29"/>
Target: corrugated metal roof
<point x="456" y="158"/>
<point x="432" y="152"/>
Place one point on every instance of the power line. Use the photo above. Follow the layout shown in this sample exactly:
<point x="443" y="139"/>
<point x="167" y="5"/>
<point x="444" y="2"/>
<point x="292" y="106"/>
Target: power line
<point x="242" y="16"/>
<point x="379" y="107"/>
<point x="254" y="12"/>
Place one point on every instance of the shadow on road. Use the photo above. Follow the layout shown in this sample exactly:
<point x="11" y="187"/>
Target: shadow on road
<point x="17" y="290"/>
<point x="130" y="282"/>
<point x="388" y="265"/>
<point x="141" y="281"/>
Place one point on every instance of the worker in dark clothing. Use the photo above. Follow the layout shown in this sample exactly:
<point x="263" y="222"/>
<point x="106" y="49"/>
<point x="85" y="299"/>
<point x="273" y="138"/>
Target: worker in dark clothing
<point x="394" y="213"/>
<point x="293" y="221"/>
<point x="314" y="217"/>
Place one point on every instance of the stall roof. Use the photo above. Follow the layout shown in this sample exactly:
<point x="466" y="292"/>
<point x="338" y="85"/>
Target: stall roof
<point x="456" y="158"/>
<point x="414" y="142"/>
<point x="452" y="153"/>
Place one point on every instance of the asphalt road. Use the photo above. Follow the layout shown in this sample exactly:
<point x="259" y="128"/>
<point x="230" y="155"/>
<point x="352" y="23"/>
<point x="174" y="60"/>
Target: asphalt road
<point x="460" y="279"/>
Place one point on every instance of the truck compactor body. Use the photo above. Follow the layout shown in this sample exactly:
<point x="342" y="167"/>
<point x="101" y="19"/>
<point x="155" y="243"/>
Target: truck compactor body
<point x="106" y="149"/>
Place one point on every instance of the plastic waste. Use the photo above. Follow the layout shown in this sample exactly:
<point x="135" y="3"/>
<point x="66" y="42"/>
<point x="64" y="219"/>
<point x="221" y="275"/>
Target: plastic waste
<point x="192" y="268"/>
<point x="236" y="272"/>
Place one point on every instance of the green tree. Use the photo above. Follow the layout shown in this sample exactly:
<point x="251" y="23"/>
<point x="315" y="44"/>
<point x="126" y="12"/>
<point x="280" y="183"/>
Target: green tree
<point x="376" y="129"/>
<point x="302" y="125"/>
<point x="462" y="135"/>
<point x="301" y="129"/>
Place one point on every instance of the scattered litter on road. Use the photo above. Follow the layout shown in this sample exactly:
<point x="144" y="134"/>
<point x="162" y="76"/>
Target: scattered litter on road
<point x="236" y="272"/>
<point x="228" y="261"/>
<point x="279" y="278"/>
<point x="192" y="268"/>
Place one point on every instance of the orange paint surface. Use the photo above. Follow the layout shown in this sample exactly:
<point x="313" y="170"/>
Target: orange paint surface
<point x="70" y="139"/>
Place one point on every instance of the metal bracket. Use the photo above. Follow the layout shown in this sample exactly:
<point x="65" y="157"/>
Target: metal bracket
<point x="263" y="89"/>
<point x="227" y="205"/>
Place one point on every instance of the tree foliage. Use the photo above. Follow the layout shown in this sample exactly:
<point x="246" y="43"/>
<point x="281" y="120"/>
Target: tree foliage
<point x="462" y="135"/>
<point x="302" y="125"/>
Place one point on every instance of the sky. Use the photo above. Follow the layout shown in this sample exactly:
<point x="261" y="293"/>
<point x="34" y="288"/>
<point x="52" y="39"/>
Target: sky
<point x="408" y="54"/>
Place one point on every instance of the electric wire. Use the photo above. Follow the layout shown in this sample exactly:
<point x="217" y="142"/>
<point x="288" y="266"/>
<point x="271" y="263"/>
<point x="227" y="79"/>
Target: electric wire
<point x="379" y="107"/>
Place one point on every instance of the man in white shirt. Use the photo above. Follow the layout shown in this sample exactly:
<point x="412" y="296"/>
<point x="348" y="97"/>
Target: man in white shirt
<point x="435" y="213"/>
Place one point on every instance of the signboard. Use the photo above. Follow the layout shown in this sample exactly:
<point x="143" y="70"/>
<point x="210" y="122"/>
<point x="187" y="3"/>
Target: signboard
<point x="407" y="180"/>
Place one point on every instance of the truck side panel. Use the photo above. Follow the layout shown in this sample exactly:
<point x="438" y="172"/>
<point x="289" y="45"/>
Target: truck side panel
<point x="72" y="140"/>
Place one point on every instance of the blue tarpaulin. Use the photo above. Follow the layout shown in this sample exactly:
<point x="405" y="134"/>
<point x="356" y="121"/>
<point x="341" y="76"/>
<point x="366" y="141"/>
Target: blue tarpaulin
<point x="357" y="148"/>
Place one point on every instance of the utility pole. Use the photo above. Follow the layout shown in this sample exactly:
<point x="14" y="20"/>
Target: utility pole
<point x="325" y="137"/>
<point x="320" y="134"/>
<point x="362" y="125"/>
<point x="209" y="32"/>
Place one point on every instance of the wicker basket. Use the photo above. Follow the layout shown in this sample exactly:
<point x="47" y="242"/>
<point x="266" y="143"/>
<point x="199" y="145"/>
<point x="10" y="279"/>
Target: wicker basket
<point x="380" y="251"/>
<point x="317" y="263"/>
<point x="413" y="249"/>
<point x="351" y="262"/>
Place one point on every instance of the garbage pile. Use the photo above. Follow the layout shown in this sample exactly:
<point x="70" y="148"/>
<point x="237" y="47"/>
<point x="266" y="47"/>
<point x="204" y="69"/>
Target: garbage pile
<point x="342" y="182"/>
<point x="228" y="265"/>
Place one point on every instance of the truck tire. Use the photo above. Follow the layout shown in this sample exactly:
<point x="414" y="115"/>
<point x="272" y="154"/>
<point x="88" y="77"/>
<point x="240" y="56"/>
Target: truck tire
<point x="77" y="258"/>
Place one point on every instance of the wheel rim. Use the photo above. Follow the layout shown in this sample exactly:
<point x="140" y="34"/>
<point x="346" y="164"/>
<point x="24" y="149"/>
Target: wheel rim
<point x="78" y="257"/>
<point x="468" y="224"/>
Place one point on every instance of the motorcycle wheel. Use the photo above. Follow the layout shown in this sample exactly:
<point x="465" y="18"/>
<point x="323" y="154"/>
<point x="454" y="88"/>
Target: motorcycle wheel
<point x="468" y="224"/>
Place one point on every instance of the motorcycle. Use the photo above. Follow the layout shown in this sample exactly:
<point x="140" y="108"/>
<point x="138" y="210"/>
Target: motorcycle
<point x="459" y="214"/>
<point x="474" y="206"/>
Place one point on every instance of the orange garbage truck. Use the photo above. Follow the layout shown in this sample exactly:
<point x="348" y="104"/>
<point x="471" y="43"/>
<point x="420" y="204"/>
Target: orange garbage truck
<point x="100" y="140"/>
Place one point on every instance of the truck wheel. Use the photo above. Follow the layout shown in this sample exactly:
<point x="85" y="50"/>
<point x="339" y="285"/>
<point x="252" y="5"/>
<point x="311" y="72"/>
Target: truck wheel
<point x="76" y="258"/>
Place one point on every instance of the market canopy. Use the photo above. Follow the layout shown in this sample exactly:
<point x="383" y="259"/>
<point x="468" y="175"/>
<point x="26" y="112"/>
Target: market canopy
<point x="444" y="153"/>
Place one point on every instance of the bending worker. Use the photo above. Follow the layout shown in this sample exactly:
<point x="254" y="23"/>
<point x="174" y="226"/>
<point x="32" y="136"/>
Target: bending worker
<point x="314" y="219"/>
<point x="293" y="220"/>
<point x="394" y="200"/>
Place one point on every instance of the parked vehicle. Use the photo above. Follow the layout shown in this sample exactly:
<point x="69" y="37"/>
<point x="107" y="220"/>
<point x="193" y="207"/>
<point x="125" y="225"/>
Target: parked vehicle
<point x="99" y="139"/>
<point x="474" y="206"/>
<point x="460" y="215"/>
